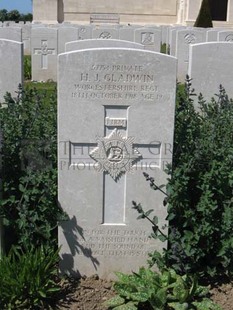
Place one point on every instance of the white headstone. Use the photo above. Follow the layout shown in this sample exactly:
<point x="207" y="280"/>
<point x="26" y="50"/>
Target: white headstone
<point x="26" y="37"/>
<point x="85" y="32"/>
<point x="66" y="34"/>
<point x="211" y="64"/>
<point x="172" y="39"/>
<point x="149" y="37"/>
<point x="105" y="33"/>
<point x="11" y="33"/>
<point x="212" y="34"/>
<point x="226" y="36"/>
<point x="11" y="59"/>
<point x="44" y="54"/>
<point x="98" y="43"/>
<point x="183" y="40"/>
<point x="126" y="33"/>
<point x="116" y="121"/>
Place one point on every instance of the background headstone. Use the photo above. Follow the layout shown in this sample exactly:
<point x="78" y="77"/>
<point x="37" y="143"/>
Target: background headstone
<point x="211" y="64"/>
<point x="66" y="34"/>
<point x="85" y="32"/>
<point x="116" y="121"/>
<point x="126" y="33"/>
<point x="183" y="40"/>
<point x="149" y="37"/>
<point x="11" y="59"/>
<point x="44" y="54"/>
<point x="98" y="43"/>
<point x="26" y="38"/>
<point x="226" y="36"/>
<point x="11" y="33"/>
<point x="105" y="33"/>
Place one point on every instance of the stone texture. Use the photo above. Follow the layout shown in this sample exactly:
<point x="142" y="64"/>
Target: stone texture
<point x="105" y="33"/>
<point x="11" y="33"/>
<point x="127" y="33"/>
<point x="211" y="64"/>
<point x="149" y="37"/>
<point x="66" y="34"/>
<point x="116" y="120"/>
<point x="98" y="43"/>
<point x="183" y="40"/>
<point x="44" y="54"/>
<point x="226" y="36"/>
<point x="85" y="32"/>
<point x="26" y="37"/>
<point x="11" y="59"/>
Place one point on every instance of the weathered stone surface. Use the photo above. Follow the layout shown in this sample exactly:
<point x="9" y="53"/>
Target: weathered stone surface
<point x="98" y="43"/>
<point x="11" y="33"/>
<point x="149" y="37"/>
<point x="183" y="40"/>
<point x="66" y="34"/>
<point x="105" y="33"/>
<point x="211" y="64"/>
<point x="11" y="59"/>
<point x="116" y="121"/>
<point x="44" y="54"/>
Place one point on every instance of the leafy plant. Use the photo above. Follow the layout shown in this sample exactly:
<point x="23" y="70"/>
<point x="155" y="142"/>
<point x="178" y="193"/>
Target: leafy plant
<point x="200" y="204"/>
<point x="164" y="291"/>
<point x="29" y="207"/>
<point x="199" y="192"/>
<point x="28" y="279"/>
<point x="27" y="67"/>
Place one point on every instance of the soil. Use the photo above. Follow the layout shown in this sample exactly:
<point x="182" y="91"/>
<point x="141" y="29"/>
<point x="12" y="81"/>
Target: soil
<point x="90" y="294"/>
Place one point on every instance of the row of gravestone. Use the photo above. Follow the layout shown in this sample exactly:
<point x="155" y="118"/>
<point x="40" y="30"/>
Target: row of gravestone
<point x="45" y="43"/>
<point x="209" y="64"/>
<point x="115" y="121"/>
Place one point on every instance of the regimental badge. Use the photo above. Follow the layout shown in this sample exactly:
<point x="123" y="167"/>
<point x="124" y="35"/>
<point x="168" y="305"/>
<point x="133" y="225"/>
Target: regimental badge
<point x="115" y="154"/>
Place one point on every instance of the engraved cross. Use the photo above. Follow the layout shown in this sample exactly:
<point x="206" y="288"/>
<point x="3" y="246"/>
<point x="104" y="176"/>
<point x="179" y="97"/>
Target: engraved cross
<point x="44" y="51"/>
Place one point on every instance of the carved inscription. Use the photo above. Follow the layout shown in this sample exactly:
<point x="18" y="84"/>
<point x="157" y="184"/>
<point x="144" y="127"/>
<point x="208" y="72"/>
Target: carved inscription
<point x="105" y="35"/>
<point x="147" y="38"/>
<point x="115" y="154"/>
<point x="190" y="38"/>
<point x="115" y="242"/>
<point x="229" y="38"/>
<point x="117" y="82"/>
<point x="115" y="122"/>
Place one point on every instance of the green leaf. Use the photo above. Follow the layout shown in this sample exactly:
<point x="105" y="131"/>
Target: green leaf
<point x="147" y="213"/>
<point x="115" y="301"/>
<point x="179" y="306"/>
<point x="128" y="306"/>
<point x="162" y="238"/>
<point x="206" y="304"/>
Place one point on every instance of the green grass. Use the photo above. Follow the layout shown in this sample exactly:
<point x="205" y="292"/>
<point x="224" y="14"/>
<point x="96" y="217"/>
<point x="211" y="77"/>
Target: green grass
<point x="41" y="86"/>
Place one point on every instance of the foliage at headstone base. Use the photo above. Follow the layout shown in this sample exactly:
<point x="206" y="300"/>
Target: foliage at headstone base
<point x="199" y="193"/>
<point x="29" y="207"/>
<point x="28" y="279"/>
<point x="200" y="190"/>
<point x="160" y="291"/>
<point x="27" y="67"/>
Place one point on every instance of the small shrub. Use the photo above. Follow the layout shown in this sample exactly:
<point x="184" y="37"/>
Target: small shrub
<point x="199" y="191"/>
<point x="29" y="207"/>
<point x="28" y="279"/>
<point x="152" y="290"/>
<point x="27" y="67"/>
